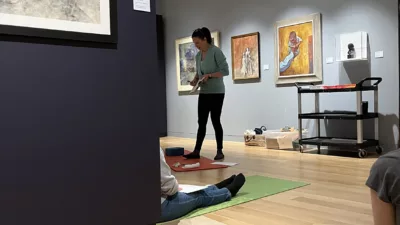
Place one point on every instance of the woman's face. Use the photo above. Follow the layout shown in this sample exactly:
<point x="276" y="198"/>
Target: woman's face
<point x="200" y="43"/>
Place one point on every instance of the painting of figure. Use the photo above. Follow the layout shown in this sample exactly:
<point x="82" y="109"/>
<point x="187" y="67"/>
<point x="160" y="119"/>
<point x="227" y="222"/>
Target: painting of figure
<point x="245" y="56"/>
<point x="186" y="53"/>
<point x="85" y="11"/>
<point x="294" y="54"/>
<point x="85" y="20"/>
<point x="298" y="50"/>
<point x="187" y="62"/>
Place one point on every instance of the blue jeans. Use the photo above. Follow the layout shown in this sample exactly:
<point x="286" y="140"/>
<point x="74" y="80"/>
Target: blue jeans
<point x="180" y="204"/>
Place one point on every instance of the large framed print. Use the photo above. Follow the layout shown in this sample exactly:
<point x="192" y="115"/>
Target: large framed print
<point x="246" y="56"/>
<point x="82" y="20"/>
<point x="186" y="53"/>
<point x="298" y="50"/>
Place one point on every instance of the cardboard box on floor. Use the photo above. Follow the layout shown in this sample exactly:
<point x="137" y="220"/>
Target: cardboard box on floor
<point x="254" y="140"/>
<point x="276" y="139"/>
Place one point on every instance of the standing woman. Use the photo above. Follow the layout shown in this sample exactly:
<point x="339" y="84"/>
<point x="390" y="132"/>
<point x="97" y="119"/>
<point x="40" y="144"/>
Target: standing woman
<point x="211" y="68"/>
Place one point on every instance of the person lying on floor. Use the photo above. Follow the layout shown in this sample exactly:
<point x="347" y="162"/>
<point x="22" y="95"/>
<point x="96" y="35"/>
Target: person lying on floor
<point x="384" y="184"/>
<point x="175" y="204"/>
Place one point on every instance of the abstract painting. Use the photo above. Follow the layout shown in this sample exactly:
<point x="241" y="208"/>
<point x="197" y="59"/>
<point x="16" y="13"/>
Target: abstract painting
<point x="246" y="56"/>
<point x="298" y="55"/>
<point x="86" y="20"/>
<point x="186" y="53"/>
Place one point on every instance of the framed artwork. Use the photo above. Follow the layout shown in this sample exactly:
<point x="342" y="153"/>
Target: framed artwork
<point x="246" y="56"/>
<point x="298" y="54"/>
<point x="186" y="53"/>
<point x="89" y="20"/>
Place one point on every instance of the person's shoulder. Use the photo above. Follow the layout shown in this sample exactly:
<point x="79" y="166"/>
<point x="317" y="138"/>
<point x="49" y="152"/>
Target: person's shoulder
<point x="215" y="49"/>
<point x="389" y="161"/>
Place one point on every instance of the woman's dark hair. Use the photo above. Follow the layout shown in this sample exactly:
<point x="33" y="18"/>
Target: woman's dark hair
<point x="203" y="33"/>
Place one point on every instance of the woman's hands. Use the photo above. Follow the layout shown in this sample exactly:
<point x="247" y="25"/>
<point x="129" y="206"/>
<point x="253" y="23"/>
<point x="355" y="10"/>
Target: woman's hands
<point x="194" y="81"/>
<point x="203" y="79"/>
<point x="206" y="77"/>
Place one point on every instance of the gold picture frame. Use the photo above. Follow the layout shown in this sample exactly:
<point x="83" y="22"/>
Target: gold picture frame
<point x="185" y="52"/>
<point x="298" y="50"/>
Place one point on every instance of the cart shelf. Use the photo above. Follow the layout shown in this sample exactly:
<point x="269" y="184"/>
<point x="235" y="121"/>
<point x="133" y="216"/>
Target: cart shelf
<point x="339" y="142"/>
<point x="338" y="116"/>
<point x="359" y="142"/>
<point x="358" y="87"/>
<point x="308" y="90"/>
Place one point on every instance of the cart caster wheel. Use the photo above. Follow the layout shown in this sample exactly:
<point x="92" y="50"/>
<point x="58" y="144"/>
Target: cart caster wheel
<point x="301" y="148"/>
<point x="379" y="150"/>
<point x="362" y="153"/>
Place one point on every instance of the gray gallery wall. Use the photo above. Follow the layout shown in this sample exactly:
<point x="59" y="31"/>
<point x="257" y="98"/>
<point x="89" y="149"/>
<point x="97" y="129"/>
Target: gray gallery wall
<point x="249" y="105"/>
<point x="72" y="122"/>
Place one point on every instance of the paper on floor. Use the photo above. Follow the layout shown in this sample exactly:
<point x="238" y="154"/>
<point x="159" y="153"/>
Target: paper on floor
<point x="187" y="188"/>
<point x="191" y="166"/>
<point x="225" y="163"/>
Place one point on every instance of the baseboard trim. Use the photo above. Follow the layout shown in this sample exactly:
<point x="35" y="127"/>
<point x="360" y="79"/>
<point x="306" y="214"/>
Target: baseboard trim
<point x="164" y="134"/>
<point x="236" y="138"/>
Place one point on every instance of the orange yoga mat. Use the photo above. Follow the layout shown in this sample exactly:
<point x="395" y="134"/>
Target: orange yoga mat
<point x="205" y="163"/>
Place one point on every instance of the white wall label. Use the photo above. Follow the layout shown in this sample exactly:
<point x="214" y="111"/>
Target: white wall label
<point x="141" y="5"/>
<point x="266" y="67"/>
<point x="329" y="60"/>
<point x="379" y="54"/>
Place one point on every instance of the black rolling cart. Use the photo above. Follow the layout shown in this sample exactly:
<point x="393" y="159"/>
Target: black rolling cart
<point x="360" y="144"/>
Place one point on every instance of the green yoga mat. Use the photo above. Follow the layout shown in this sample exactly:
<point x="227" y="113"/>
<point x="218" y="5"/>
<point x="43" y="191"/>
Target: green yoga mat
<point x="256" y="187"/>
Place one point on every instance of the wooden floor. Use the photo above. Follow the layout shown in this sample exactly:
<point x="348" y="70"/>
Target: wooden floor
<point x="337" y="194"/>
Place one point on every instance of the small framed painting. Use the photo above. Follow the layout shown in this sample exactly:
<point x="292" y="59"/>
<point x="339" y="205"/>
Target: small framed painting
<point x="298" y="54"/>
<point x="246" y="56"/>
<point x="186" y="53"/>
<point x="89" y="20"/>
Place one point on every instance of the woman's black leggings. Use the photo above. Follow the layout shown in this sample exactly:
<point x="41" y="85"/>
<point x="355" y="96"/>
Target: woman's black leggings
<point x="210" y="104"/>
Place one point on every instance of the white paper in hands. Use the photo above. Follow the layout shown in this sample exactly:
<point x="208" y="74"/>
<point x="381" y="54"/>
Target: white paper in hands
<point x="187" y="188"/>
<point x="197" y="86"/>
